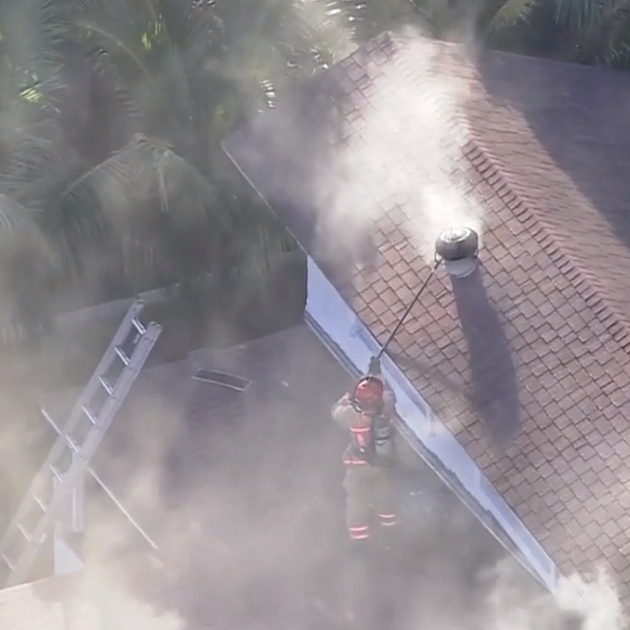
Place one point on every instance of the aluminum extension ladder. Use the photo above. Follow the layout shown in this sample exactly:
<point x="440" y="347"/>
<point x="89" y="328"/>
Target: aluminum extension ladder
<point x="46" y="498"/>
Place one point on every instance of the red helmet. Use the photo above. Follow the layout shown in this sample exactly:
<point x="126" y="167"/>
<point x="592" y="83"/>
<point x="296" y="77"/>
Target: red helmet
<point x="368" y="395"/>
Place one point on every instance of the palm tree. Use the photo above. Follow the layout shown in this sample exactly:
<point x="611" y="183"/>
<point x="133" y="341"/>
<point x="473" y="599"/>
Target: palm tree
<point x="594" y="32"/>
<point x="584" y="31"/>
<point x="502" y="14"/>
<point x="137" y="190"/>
<point x="27" y="266"/>
<point x="457" y="19"/>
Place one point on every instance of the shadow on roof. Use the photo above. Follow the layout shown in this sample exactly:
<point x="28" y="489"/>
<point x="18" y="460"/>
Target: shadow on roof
<point x="494" y="381"/>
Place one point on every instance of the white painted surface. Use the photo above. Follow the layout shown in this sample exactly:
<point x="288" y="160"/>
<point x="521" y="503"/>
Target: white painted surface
<point x="340" y="323"/>
<point x="65" y="559"/>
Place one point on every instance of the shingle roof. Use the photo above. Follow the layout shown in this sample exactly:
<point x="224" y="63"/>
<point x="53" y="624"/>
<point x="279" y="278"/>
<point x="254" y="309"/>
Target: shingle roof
<point x="243" y="494"/>
<point x="567" y="164"/>
<point x="534" y="346"/>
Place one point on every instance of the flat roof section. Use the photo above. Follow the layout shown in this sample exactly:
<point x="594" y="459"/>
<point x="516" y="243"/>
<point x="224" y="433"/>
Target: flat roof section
<point x="242" y="493"/>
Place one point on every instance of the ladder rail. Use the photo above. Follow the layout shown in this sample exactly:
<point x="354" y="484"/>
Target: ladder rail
<point x="107" y="490"/>
<point x="60" y="482"/>
<point x="104" y="364"/>
<point x="108" y="358"/>
<point x="61" y="443"/>
<point x="38" y="537"/>
<point x="112" y="404"/>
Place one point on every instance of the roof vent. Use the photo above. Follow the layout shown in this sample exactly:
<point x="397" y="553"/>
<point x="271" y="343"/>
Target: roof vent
<point x="458" y="248"/>
<point x="223" y="379"/>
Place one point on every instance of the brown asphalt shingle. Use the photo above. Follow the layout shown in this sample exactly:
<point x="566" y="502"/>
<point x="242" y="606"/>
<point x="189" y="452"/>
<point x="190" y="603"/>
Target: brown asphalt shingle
<point x="525" y="361"/>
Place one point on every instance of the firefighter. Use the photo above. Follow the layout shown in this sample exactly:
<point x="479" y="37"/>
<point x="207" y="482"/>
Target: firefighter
<point x="367" y="413"/>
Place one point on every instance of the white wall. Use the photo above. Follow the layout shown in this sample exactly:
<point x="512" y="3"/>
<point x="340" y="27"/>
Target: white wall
<point x="341" y="325"/>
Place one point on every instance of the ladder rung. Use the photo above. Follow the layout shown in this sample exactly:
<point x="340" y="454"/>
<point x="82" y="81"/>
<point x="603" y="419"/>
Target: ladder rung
<point x="121" y="354"/>
<point x="24" y="533"/>
<point x="41" y="504"/>
<point x="139" y="325"/>
<point x="72" y="444"/>
<point x="88" y="412"/>
<point x="8" y="562"/>
<point x="106" y="386"/>
<point x="55" y="472"/>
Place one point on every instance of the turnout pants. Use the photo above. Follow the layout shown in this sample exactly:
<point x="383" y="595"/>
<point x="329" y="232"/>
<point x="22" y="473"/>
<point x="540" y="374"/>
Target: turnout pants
<point x="371" y="496"/>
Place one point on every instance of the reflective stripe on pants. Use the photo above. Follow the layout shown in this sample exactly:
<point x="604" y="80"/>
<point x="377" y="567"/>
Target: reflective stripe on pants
<point x="359" y="532"/>
<point x="387" y="520"/>
<point x="370" y="492"/>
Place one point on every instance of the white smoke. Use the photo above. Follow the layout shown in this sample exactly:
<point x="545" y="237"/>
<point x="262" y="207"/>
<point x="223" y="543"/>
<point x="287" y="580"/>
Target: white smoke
<point x="406" y="154"/>
<point x="97" y="599"/>
<point x="102" y="603"/>
<point x="579" y="603"/>
<point x="595" y="598"/>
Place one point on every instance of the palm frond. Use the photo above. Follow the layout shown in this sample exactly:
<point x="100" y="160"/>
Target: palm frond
<point x="21" y="236"/>
<point x="617" y="36"/>
<point x="27" y="268"/>
<point x="258" y="236"/>
<point x="580" y="15"/>
<point x="509" y="14"/>
<point x="196" y="28"/>
<point x="29" y="154"/>
<point x="14" y="217"/>
<point x="29" y="62"/>
<point x="152" y="205"/>
<point x="166" y="104"/>
<point x="326" y="28"/>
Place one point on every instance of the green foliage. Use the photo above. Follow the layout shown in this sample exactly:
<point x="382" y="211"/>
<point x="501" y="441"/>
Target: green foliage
<point x="584" y="31"/>
<point x="599" y="31"/>
<point x="507" y="14"/>
<point x="168" y="80"/>
<point x="112" y="114"/>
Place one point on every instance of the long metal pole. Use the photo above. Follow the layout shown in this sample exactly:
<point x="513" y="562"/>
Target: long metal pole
<point x="406" y="313"/>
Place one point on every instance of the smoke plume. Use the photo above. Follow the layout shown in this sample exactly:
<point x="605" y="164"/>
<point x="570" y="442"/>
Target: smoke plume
<point x="407" y="155"/>
<point x="579" y="603"/>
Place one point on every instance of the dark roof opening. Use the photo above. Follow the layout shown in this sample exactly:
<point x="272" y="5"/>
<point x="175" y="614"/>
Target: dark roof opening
<point x="223" y="379"/>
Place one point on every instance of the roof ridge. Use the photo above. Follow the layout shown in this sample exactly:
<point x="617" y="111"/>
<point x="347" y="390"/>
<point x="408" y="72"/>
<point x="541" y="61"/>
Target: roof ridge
<point x="587" y="283"/>
<point x="479" y="53"/>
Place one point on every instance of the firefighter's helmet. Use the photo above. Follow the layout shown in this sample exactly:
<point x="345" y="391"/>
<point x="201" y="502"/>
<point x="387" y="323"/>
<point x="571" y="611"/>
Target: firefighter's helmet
<point x="368" y="395"/>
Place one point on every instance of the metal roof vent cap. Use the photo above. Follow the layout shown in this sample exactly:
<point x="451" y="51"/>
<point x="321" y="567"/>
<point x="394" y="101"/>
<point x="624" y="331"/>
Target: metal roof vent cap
<point x="458" y="249"/>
